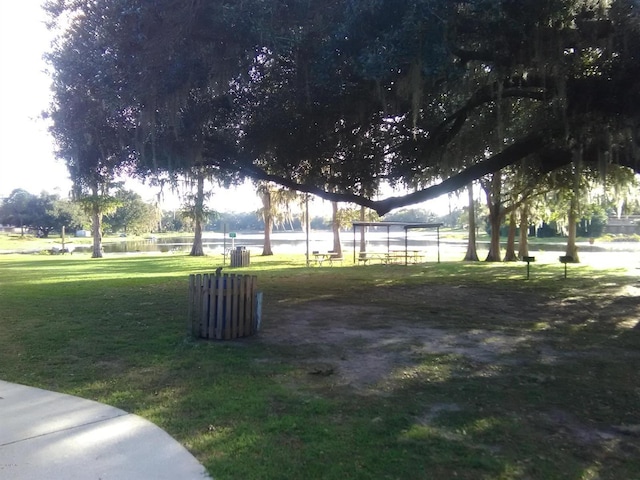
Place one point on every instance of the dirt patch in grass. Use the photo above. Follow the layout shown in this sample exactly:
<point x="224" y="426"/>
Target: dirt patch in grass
<point x="363" y="345"/>
<point x="518" y="337"/>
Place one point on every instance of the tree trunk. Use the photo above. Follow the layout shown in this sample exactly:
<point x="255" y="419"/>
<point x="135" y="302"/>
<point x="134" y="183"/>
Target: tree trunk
<point x="510" y="254"/>
<point x="196" y="248"/>
<point x="335" y="224"/>
<point x="96" y="231"/>
<point x="472" y="252"/>
<point x="523" y="244"/>
<point x="494" y="245"/>
<point x="495" y="217"/>
<point x="363" y="243"/>
<point x="268" y="227"/>
<point x="572" y="248"/>
<point x="267" y="216"/>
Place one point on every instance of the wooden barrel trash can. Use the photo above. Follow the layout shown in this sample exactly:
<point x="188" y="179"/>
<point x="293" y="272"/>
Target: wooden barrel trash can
<point x="224" y="307"/>
<point x="240" y="257"/>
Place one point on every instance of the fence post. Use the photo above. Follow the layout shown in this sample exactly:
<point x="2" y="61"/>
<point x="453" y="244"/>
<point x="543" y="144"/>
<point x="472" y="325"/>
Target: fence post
<point x="192" y="315"/>
<point x="235" y="305"/>
<point x="257" y="312"/>
<point x="251" y="304"/>
<point x="209" y="305"/>
<point x="228" y="301"/>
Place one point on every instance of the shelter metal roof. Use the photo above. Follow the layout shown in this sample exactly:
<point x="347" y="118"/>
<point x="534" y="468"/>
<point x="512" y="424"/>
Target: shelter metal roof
<point x="405" y="225"/>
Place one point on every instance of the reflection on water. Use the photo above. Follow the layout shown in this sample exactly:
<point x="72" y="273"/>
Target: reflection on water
<point x="295" y="242"/>
<point x="281" y="242"/>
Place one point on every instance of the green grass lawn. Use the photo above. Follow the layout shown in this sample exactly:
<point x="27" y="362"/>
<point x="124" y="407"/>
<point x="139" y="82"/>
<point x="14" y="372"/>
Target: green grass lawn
<point x="435" y="371"/>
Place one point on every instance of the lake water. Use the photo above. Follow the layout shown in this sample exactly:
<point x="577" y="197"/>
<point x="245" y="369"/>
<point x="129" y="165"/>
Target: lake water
<point x="281" y="242"/>
<point x="618" y="253"/>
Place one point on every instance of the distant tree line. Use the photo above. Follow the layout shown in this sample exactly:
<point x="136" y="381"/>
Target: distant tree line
<point x="46" y="213"/>
<point x="41" y="214"/>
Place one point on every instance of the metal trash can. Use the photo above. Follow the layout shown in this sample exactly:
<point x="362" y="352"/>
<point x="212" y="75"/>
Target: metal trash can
<point x="240" y="257"/>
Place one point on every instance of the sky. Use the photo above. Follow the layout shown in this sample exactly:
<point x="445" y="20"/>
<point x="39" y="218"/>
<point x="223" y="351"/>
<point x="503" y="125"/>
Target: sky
<point x="26" y="151"/>
<point x="27" y="158"/>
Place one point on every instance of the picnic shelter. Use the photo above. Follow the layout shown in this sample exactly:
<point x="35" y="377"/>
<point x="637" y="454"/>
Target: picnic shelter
<point x="390" y="256"/>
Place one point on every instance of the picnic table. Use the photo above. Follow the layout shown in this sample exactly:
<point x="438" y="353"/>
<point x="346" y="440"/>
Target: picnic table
<point x="321" y="257"/>
<point x="391" y="257"/>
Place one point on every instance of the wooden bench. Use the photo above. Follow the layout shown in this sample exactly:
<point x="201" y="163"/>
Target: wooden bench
<point x="370" y="257"/>
<point x="334" y="257"/>
<point x="363" y="258"/>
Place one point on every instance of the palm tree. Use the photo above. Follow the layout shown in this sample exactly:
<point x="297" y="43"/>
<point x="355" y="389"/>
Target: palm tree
<point x="199" y="214"/>
<point x="276" y="209"/>
<point x="97" y="204"/>
<point x="343" y="217"/>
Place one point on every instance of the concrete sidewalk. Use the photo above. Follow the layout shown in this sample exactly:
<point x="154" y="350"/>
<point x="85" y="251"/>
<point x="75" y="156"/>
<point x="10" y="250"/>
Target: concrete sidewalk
<point x="47" y="435"/>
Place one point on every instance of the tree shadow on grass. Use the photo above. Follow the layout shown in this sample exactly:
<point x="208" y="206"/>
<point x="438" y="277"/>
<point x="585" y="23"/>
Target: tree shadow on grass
<point x="359" y="373"/>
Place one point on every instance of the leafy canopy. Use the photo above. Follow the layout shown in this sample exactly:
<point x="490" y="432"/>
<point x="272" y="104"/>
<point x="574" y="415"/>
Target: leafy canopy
<point x="336" y="98"/>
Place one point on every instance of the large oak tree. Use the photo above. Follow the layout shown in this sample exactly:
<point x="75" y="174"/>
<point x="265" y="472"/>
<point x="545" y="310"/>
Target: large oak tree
<point x="335" y="98"/>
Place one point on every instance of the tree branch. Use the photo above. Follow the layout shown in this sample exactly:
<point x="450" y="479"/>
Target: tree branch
<point x="443" y="133"/>
<point x="508" y="156"/>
